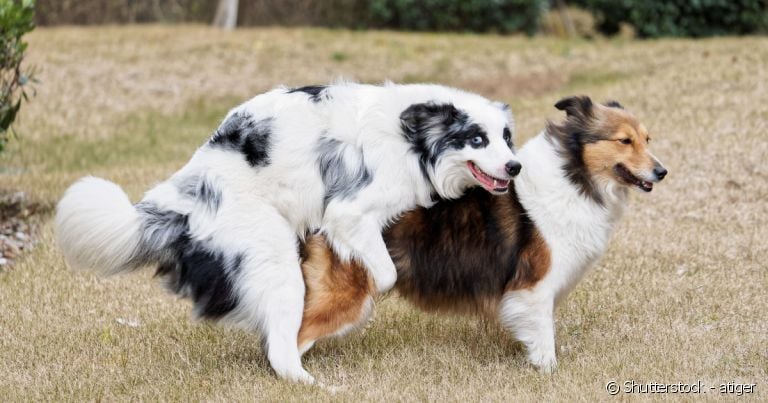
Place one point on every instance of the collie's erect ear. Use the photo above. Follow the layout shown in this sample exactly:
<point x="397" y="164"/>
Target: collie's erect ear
<point x="577" y="106"/>
<point x="418" y="117"/>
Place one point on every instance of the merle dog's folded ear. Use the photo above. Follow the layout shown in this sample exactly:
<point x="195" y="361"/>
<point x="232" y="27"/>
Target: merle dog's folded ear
<point x="501" y="105"/>
<point x="577" y="106"/>
<point x="419" y="116"/>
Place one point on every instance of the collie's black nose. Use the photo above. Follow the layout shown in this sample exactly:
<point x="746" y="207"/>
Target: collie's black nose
<point x="660" y="172"/>
<point x="513" y="168"/>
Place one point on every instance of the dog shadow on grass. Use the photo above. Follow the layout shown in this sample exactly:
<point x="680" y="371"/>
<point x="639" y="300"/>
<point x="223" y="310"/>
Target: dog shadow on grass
<point x="400" y="336"/>
<point x="407" y="334"/>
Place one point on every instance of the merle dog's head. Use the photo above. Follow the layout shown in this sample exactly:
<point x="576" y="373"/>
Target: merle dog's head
<point x="463" y="143"/>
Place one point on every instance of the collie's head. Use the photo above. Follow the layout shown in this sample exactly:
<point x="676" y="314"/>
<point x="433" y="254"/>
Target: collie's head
<point x="463" y="143"/>
<point x="605" y="147"/>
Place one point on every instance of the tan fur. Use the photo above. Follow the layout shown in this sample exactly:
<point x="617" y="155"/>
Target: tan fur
<point x="616" y="124"/>
<point x="337" y="292"/>
<point x="535" y="261"/>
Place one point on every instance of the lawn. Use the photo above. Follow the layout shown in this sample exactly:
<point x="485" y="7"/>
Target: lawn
<point x="680" y="296"/>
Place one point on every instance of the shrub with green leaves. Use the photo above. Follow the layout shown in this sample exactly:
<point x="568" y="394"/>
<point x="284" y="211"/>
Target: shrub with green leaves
<point x="503" y="16"/>
<point x="16" y="19"/>
<point x="696" y="18"/>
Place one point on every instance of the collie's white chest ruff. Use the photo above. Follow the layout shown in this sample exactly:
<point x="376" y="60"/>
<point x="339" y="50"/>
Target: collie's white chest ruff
<point x="344" y="159"/>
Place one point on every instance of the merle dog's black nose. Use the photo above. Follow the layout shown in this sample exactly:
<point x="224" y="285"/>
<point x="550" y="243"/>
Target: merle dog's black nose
<point x="513" y="168"/>
<point x="660" y="172"/>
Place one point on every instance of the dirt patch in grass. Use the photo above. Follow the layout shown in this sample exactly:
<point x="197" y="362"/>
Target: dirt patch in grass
<point x="19" y="222"/>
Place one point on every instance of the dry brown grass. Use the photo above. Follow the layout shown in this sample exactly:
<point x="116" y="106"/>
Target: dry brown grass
<point x="680" y="296"/>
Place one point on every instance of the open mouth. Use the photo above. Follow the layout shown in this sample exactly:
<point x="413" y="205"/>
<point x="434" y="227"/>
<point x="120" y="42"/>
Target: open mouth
<point x="490" y="183"/>
<point x="631" y="179"/>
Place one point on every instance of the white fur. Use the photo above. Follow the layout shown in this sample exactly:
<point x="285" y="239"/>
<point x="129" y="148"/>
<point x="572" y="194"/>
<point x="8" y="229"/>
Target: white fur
<point x="97" y="213"/>
<point x="264" y="208"/>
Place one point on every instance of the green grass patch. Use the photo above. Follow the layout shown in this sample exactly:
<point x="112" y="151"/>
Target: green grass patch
<point x="590" y="79"/>
<point x="145" y="137"/>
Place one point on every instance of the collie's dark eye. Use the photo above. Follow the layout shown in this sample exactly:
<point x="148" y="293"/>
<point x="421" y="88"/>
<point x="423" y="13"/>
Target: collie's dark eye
<point x="507" y="135"/>
<point x="626" y="141"/>
<point x="477" y="140"/>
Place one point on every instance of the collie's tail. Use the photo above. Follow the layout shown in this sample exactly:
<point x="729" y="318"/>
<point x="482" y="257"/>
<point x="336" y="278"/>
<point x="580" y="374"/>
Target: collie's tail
<point x="97" y="227"/>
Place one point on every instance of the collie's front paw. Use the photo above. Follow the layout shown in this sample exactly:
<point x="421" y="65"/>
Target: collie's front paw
<point x="545" y="363"/>
<point x="304" y="377"/>
<point x="296" y="376"/>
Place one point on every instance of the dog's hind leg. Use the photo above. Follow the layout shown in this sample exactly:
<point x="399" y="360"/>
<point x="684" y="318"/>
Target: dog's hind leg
<point x="270" y="287"/>
<point x="281" y="329"/>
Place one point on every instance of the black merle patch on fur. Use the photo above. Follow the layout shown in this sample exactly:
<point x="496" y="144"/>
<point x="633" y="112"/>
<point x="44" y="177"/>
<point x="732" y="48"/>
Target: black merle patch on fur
<point x="461" y="251"/>
<point x="161" y="230"/>
<point x="570" y="137"/>
<point x="240" y="132"/>
<point x="507" y="136"/>
<point x="203" y="191"/>
<point x="189" y="267"/>
<point x="316" y="93"/>
<point x="204" y="276"/>
<point x="342" y="169"/>
<point x="503" y="106"/>
<point x="614" y="104"/>
<point x="433" y="128"/>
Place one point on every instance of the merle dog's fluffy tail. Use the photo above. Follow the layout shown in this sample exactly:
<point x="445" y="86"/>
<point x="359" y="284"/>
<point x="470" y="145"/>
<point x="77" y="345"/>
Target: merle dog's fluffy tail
<point x="98" y="228"/>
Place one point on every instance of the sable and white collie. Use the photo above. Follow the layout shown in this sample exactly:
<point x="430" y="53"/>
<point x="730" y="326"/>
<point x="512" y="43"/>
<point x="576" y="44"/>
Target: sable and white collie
<point x="511" y="258"/>
<point x="345" y="158"/>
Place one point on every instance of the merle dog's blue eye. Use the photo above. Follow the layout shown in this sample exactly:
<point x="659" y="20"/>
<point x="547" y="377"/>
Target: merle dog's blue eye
<point x="477" y="140"/>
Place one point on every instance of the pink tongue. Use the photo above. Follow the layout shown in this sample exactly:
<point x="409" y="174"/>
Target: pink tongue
<point x="486" y="182"/>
